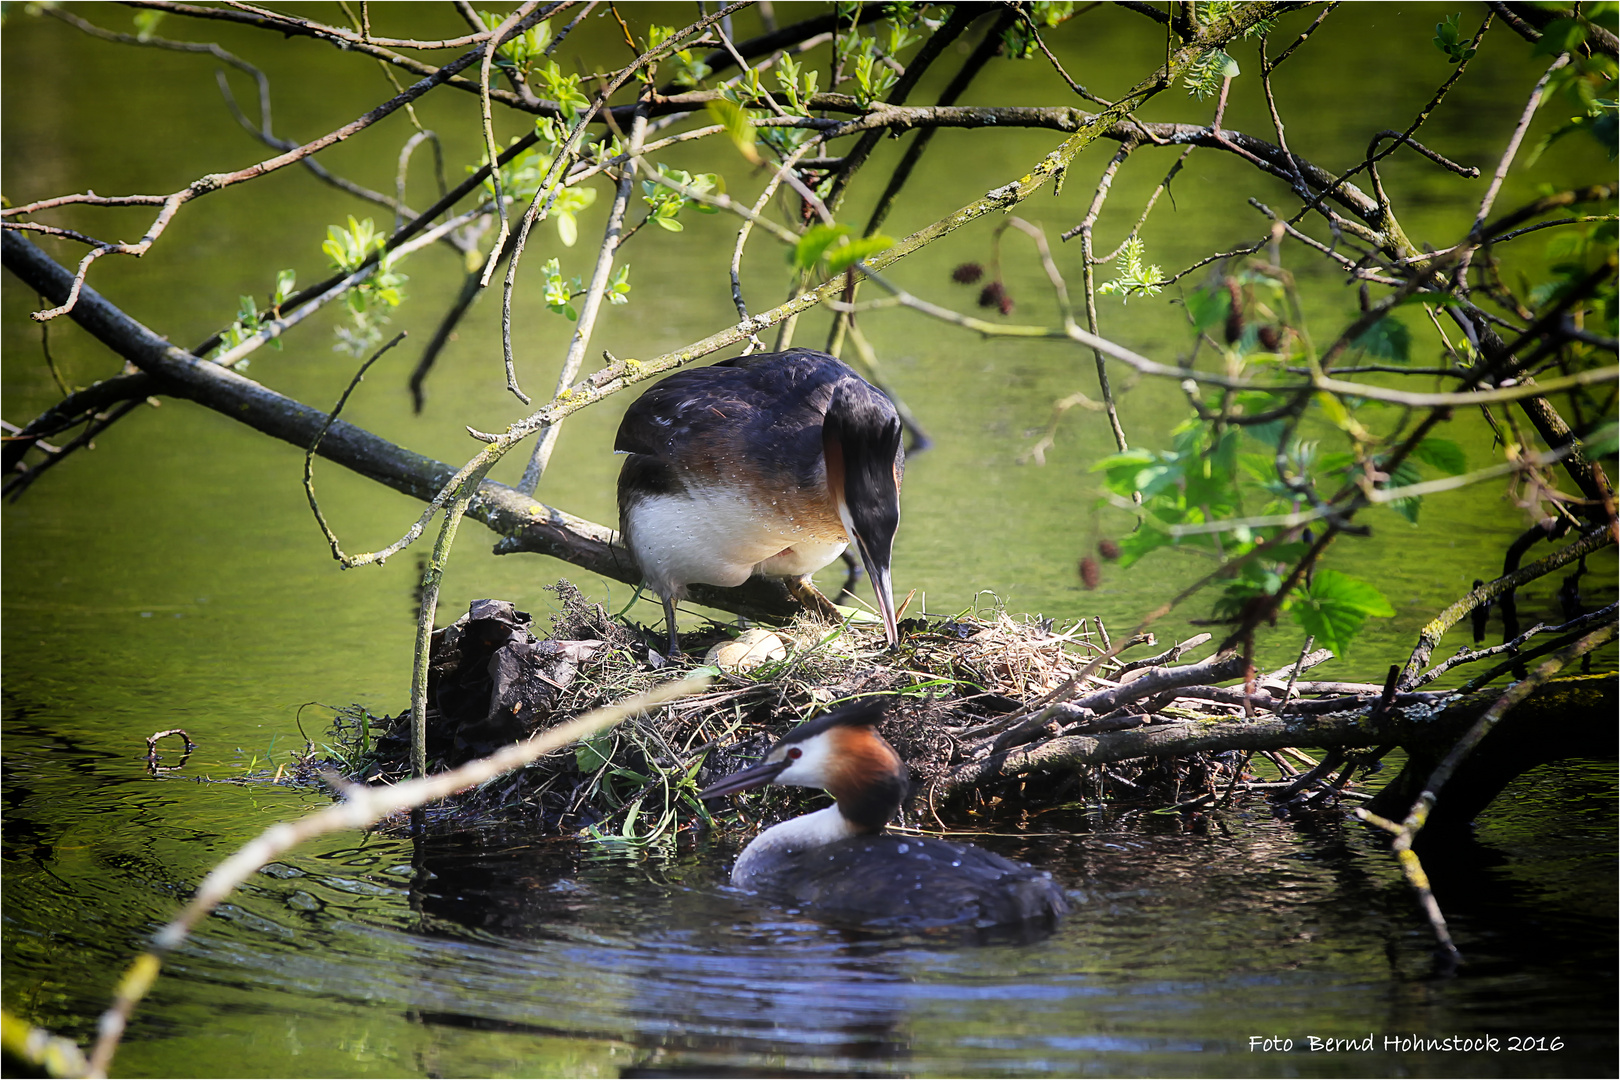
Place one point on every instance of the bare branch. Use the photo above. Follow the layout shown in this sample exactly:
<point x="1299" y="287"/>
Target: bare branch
<point x="361" y="808"/>
<point x="601" y="278"/>
<point x="1595" y="538"/>
<point x="217" y="181"/>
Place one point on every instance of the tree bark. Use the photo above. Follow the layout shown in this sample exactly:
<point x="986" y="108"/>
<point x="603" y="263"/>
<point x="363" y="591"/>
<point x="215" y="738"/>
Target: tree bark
<point x="526" y="524"/>
<point x="1565" y="718"/>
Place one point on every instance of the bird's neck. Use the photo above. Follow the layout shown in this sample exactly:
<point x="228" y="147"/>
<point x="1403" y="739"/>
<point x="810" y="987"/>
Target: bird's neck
<point x="803" y="833"/>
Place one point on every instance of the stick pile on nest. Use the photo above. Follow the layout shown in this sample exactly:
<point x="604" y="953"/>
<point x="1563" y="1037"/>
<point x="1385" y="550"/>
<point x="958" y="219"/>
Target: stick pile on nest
<point x="966" y="692"/>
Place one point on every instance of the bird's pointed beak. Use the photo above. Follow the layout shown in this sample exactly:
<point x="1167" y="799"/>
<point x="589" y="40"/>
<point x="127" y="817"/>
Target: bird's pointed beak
<point x="877" y="572"/>
<point x="861" y="445"/>
<point x="751" y="777"/>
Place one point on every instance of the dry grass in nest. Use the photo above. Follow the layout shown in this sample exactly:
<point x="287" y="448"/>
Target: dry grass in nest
<point x="637" y="784"/>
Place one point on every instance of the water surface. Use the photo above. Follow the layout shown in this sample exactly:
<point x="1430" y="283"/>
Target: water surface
<point x="174" y="577"/>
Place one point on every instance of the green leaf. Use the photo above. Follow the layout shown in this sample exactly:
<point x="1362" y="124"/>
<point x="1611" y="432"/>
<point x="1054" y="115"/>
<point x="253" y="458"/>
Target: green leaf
<point x="146" y="23"/>
<point x="808" y="251"/>
<point x="1385" y="339"/>
<point x="567" y="229"/>
<point x="668" y="223"/>
<point x="841" y="258"/>
<point x="1443" y="454"/>
<point x="1448" y="39"/>
<point x="1205" y="74"/>
<point x="734" y="118"/>
<point x="1560" y="36"/>
<point x="1139" y="543"/>
<point x="1404" y="475"/>
<point x="285" y="280"/>
<point x="593" y="753"/>
<point x="1335" y="606"/>
<point x="1123" y="469"/>
<point x="1269" y="433"/>
<point x="619" y="286"/>
<point x="1135" y="275"/>
<point x="1208" y="307"/>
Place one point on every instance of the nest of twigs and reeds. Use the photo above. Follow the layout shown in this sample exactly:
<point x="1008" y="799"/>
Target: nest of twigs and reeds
<point x="960" y="688"/>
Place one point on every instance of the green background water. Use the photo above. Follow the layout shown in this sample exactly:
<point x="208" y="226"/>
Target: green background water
<point x="174" y="577"/>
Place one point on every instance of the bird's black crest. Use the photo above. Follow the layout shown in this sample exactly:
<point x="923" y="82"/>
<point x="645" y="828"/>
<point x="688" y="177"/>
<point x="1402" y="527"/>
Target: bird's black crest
<point x="866" y="712"/>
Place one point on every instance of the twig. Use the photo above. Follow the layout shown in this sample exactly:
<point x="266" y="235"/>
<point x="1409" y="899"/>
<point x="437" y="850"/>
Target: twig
<point x="1336" y="386"/>
<point x="1338" y="184"/>
<point x="152" y="741"/>
<point x="94" y="426"/>
<point x="263" y="129"/>
<point x="747" y="227"/>
<point x="1484" y="679"/>
<point x="361" y="808"/>
<point x="171" y="204"/>
<point x="1169" y="656"/>
<point x="723" y="202"/>
<point x="982" y="54"/>
<point x="272" y="328"/>
<point x="1593" y="539"/>
<point x="1406" y="831"/>
<point x="309" y="455"/>
<point x="1506" y="162"/>
<point x="501" y="32"/>
<point x="546" y="194"/>
<point x="933" y="46"/>
<point x="1467" y="655"/>
<point x="601" y="278"/>
<point x="264" y="134"/>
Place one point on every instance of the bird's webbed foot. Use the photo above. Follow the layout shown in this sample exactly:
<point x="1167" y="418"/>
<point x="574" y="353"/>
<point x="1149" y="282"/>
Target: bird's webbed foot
<point x="805" y="592"/>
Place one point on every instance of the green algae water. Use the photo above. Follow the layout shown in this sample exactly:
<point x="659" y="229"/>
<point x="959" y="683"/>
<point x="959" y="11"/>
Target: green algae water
<point x="174" y="577"/>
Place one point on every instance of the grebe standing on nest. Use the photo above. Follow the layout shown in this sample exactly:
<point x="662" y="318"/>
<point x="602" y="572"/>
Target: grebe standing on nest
<point x="770" y="464"/>
<point x="839" y="864"/>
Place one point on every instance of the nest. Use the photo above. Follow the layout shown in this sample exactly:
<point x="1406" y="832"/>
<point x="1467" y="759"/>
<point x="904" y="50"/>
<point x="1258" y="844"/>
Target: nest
<point x="492" y="681"/>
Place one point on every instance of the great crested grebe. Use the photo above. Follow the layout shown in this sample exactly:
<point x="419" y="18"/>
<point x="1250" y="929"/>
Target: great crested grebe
<point x="837" y="863"/>
<point x="770" y="464"/>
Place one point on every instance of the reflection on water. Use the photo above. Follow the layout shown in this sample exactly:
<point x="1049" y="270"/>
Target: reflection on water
<point x="510" y="954"/>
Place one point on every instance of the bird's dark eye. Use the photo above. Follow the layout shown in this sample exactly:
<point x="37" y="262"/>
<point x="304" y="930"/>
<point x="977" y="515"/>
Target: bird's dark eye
<point x="794" y="753"/>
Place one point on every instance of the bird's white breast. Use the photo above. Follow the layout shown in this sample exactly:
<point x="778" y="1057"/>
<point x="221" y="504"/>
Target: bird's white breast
<point x="720" y="535"/>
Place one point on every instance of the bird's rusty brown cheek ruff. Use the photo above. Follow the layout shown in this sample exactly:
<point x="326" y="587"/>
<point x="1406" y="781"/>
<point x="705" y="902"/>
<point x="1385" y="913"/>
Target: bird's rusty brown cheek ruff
<point x="832" y="453"/>
<point x="867" y="777"/>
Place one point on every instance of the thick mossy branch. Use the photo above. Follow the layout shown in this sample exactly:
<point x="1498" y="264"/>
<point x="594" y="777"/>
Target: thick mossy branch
<point x="529" y="525"/>
<point x="1599" y="536"/>
<point x="1569" y="717"/>
<point x="1585" y="708"/>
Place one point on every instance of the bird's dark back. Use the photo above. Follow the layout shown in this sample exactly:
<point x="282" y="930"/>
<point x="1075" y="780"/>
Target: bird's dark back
<point x="764" y="411"/>
<point x="906" y="881"/>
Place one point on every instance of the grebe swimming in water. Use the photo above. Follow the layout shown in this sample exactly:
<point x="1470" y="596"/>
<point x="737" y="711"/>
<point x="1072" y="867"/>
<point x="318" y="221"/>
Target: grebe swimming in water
<point x="839" y="864"/>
